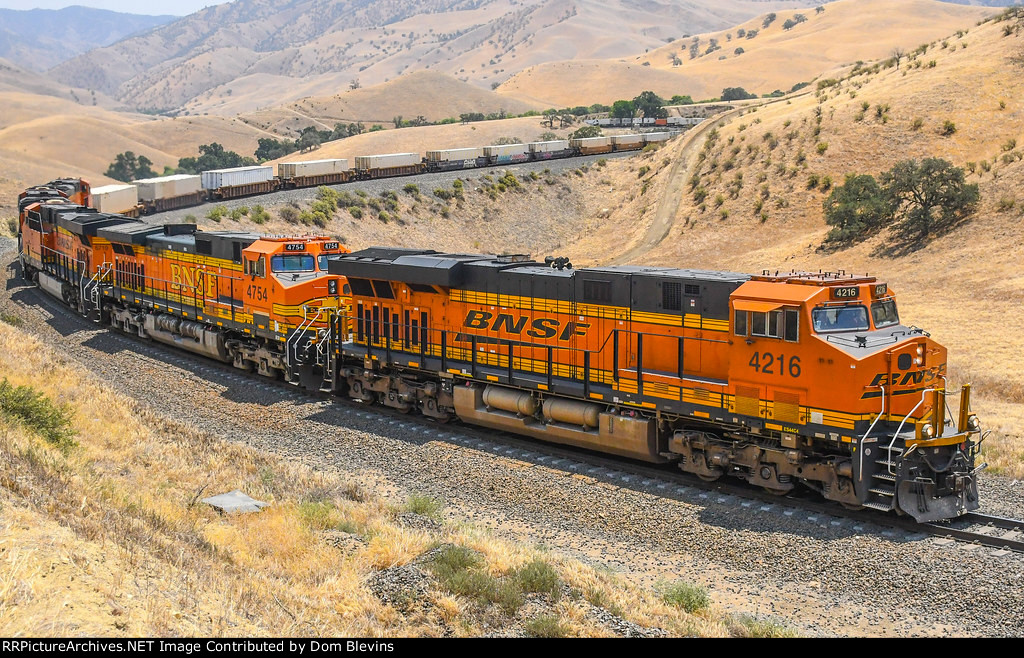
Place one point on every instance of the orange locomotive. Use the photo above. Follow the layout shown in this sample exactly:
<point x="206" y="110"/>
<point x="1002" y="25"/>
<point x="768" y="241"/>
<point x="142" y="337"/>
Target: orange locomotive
<point x="261" y="303"/>
<point x="781" y="380"/>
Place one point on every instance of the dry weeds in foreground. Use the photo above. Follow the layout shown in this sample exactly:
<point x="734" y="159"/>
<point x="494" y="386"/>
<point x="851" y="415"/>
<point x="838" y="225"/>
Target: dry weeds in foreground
<point x="110" y="540"/>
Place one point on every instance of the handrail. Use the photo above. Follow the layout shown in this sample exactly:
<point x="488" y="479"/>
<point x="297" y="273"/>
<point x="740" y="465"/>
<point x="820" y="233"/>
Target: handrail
<point x="304" y="326"/>
<point x="865" y="437"/>
<point x="902" y="423"/>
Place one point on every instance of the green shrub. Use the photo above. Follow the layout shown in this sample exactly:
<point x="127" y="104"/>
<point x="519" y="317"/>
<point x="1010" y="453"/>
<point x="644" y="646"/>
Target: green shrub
<point x="539" y="577"/>
<point x="689" y="597"/>
<point x="948" y="128"/>
<point x="289" y="214"/>
<point x="745" y="626"/>
<point x="384" y="216"/>
<point x="37" y="413"/>
<point x="545" y="626"/>
<point x="236" y="214"/>
<point x="260" y="215"/>
<point x="822" y="147"/>
<point x="643" y="171"/>
<point x="412" y="189"/>
<point x="217" y="213"/>
<point x="317" y="515"/>
<point x="12" y="320"/>
<point x="357" y="213"/>
<point x="424" y="505"/>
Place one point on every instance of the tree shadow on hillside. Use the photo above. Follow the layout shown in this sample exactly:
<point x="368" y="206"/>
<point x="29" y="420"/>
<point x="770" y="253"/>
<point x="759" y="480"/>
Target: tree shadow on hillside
<point x="897" y="246"/>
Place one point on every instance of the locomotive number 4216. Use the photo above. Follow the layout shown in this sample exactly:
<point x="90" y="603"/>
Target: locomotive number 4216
<point x="770" y="364"/>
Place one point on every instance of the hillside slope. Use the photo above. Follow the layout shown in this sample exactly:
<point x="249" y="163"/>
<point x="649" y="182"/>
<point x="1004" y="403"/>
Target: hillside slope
<point x="430" y="94"/>
<point x="42" y="138"/>
<point x="776" y="57"/>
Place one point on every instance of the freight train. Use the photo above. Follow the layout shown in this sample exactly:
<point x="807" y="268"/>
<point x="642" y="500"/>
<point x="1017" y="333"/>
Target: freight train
<point x="786" y="381"/>
<point x="153" y="195"/>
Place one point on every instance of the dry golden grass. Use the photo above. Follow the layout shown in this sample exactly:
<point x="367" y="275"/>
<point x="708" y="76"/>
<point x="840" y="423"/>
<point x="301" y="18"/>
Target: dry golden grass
<point x="776" y="58"/>
<point x="42" y="138"/>
<point x="432" y="94"/>
<point x="109" y="539"/>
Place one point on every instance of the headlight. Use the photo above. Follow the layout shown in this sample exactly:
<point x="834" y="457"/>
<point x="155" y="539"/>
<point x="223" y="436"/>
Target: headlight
<point x="973" y="423"/>
<point x="928" y="431"/>
<point x="920" y="350"/>
<point x="918" y="361"/>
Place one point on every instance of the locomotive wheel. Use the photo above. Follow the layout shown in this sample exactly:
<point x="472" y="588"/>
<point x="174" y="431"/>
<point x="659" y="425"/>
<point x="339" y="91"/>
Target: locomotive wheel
<point x="708" y="478"/>
<point x="776" y="492"/>
<point x="853" y="507"/>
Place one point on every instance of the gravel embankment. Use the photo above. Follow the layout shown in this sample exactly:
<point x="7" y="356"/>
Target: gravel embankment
<point x="426" y="182"/>
<point x="819" y="574"/>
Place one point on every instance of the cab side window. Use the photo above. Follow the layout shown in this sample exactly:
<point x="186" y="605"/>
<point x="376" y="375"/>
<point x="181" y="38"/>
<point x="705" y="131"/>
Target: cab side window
<point x="740" y="324"/>
<point x="256" y="267"/>
<point x="783" y="324"/>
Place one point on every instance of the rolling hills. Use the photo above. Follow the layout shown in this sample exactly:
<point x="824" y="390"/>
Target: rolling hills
<point x="39" y="39"/>
<point x="304" y="47"/>
<point x="774" y="58"/>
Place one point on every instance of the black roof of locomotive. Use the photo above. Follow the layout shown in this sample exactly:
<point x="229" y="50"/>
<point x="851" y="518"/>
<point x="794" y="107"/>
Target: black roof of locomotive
<point x="636" y="286"/>
<point x="129" y="232"/>
<point x="82" y="222"/>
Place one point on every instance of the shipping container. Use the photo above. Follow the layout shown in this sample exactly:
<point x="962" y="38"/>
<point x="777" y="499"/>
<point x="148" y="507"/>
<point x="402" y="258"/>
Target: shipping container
<point x="166" y="187"/>
<point x="506" y="153"/>
<point x="387" y="161"/>
<point x="312" y="168"/>
<point x="115" y="198"/>
<point x="548" y="147"/>
<point x="592" y="145"/>
<point x="622" y="140"/>
<point x="446" y="155"/>
<point x="236" y="176"/>
<point x="656" y="137"/>
<point x="590" y="142"/>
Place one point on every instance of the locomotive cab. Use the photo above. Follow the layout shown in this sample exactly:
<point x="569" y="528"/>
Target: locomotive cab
<point x="286" y="284"/>
<point x="808" y="345"/>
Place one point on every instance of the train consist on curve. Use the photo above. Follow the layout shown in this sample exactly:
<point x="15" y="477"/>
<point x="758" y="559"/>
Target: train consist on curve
<point x="153" y="195"/>
<point x="783" y="380"/>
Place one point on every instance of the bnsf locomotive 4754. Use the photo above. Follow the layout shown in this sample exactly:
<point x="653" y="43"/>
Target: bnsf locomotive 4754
<point x="783" y="380"/>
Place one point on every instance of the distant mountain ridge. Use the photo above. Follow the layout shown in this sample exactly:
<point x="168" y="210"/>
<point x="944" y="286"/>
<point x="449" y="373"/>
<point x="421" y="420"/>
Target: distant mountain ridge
<point x="282" y="43"/>
<point x="39" y="39"/>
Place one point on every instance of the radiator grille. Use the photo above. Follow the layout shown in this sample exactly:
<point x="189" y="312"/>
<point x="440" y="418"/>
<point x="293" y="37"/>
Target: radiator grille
<point x="787" y="407"/>
<point x="748" y="400"/>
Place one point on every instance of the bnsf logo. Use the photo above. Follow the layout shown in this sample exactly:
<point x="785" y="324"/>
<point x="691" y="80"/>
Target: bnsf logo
<point x="906" y="378"/>
<point x="538" y="327"/>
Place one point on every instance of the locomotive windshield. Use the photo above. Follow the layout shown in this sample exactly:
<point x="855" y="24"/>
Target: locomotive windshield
<point x="322" y="262"/>
<point x="884" y="313"/>
<point x="840" y="318"/>
<point x="292" y="263"/>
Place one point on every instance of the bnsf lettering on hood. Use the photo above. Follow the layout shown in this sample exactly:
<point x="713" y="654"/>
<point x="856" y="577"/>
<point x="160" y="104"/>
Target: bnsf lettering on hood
<point x="535" y="328"/>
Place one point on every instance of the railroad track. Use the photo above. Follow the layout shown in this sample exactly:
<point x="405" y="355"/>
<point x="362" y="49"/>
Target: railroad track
<point x="1004" y="535"/>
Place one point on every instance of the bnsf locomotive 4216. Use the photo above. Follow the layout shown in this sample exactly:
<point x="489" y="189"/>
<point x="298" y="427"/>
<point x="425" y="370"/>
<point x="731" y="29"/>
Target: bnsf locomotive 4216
<point x="783" y="380"/>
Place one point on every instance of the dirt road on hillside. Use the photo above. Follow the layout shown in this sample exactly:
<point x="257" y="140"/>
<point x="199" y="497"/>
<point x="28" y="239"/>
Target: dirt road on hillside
<point x="682" y="170"/>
